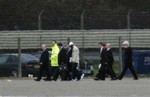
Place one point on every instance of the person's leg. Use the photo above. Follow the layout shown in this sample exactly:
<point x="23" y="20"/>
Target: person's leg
<point x="56" y="73"/>
<point x="52" y="72"/>
<point x="69" y="74"/>
<point x="40" y="73"/>
<point x="74" y="70"/>
<point x="131" y="68"/>
<point x="111" y="72"/>
<point x="102" y="72"/>
<point x="123" y="72"/>
<point x="47" y="71"/>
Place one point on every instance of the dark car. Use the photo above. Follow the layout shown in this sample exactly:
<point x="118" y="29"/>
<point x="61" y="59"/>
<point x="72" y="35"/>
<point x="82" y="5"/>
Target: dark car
<point x="87" y="69"/>
<point x="9" y="65"/>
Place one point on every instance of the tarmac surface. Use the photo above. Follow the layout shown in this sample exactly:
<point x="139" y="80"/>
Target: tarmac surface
<point x="84" y="88"/>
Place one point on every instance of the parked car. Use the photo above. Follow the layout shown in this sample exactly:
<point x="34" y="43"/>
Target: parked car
<point x="9" y="65"/>
<point x="37" y="54"/>
<point x="87" y="69"/>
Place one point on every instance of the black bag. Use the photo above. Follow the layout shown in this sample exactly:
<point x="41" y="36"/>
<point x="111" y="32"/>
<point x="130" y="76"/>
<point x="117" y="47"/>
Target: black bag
<point x="63" y="68"/>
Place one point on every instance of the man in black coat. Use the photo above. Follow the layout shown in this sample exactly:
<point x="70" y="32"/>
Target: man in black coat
<point x="103" y="61"/>
<point x="110" y="61"/>
<point x="69" y="64"/>
<point x="128" y="61"/>
<point x="44" y="65"/>
<point x="62" y="61"/>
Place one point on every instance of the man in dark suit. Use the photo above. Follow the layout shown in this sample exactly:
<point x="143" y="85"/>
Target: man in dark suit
<point x="128" y="61"/>
<point x="62" y="61"/>
<point x="69" y="64"/>
<point x="103" y="61"/>
<point x="44" y="65"/>
<point x="110" y="61"/>
<point x="62" y="55"/>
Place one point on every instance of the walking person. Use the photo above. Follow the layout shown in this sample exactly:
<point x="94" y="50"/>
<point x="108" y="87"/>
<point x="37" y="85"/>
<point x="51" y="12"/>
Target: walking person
<point x="75" y="61"/>
<point x="127" y="61"/>
<point x="54" y="60"/>
<point x="103" y="61"/>
<point x="44" y="65"/>
<point x="62" y="61"/>
<point x="69" y="65"/>
<point x="110" y="61"/>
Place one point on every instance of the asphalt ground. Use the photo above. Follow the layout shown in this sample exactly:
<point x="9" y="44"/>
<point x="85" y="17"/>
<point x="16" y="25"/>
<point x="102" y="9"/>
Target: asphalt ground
<point x="83" y="88"/>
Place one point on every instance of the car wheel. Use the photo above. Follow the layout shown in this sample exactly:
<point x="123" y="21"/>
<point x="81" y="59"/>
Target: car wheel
<point x="14" y="73"/>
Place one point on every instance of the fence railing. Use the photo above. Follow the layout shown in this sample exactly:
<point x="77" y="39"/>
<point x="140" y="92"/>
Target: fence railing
<point x="82" y="38"/>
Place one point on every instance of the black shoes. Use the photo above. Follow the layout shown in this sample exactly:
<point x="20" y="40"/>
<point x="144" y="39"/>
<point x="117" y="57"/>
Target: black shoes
<point x="135" y="78"/>
<point x="98" y="79"/>
<point x="37" y="79"/>
<point x="43" y="79"/>
<point x="47" y="79"/>
<point x="113" y="79"/>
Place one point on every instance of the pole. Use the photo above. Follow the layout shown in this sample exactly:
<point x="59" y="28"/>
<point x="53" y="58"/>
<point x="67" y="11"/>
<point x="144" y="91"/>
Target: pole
<point x="128" y="19"/>
<point x="19" y="58"/>
<point x="120" y="54"/>
<point x="68" y="40"/>
<point x="129" y="24"/>
<point x="82" y="19"/>
<point x="39" y="20"/>
<point x="82" y="28"/>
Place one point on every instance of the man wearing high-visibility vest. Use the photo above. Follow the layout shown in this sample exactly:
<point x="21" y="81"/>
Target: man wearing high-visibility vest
<point x="54" y="60"/>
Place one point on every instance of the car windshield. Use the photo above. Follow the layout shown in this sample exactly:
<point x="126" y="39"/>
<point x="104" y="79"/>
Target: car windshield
<point x="28" y="57"/>
<point x="3" y="58"/>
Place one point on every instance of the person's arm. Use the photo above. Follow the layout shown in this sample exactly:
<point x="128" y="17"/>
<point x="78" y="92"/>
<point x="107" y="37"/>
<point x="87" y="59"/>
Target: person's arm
<point x="77" y="55"/>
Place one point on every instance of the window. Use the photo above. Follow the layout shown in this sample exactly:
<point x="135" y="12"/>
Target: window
<point x="3" y="58"/>
<point x="12" y="58"/>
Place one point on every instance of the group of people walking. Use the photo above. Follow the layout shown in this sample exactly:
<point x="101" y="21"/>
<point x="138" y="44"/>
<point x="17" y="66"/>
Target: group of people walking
<point x="61" y="62"/>
<point x="65" y="62"/>
<point x="106" y="61"/>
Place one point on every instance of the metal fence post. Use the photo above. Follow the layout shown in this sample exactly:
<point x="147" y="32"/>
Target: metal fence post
<point x="120" y="54"/>
<point x="68" y="40"/>
<point x="39" y="20"/>
<point x="82" y="19"/>
<point x="82" y="47"/>
<point x="19" y="58"/>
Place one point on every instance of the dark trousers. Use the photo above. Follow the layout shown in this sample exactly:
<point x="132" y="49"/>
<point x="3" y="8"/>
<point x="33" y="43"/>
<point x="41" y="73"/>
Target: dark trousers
<point x="69" y="66"/>
<point x="75" y="72"/>
<point x="55" y="72"/>
<point x="101" y="73"/>
<point x="42" y="70"/>
<point x="111" y="72"/>
<point x="105" y="68"/>
<point x="130" y="67"/>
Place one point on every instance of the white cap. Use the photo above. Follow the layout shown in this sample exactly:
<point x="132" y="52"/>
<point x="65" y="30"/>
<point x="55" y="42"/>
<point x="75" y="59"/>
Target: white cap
<point x="126" y="42"/>
<point x="71" y="43"/>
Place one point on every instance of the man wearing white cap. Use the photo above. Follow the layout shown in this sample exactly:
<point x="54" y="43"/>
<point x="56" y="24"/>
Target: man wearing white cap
<point x="75" y="61"/>
<point x="127" y="61"/>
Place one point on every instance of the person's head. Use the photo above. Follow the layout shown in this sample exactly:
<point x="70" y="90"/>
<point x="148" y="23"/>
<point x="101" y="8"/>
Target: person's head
<point x="101" y="45"/>
<point x="43" y="46"/>
<point x="125" y="44"/>
<point x="53" y="42"/>
<point x="60" y="45"/>
<point x="108" y="45"/>
<point x="71" y="44"/>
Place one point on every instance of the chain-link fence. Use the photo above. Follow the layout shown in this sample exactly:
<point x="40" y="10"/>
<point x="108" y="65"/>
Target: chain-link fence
<point x="79" y="20"/>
